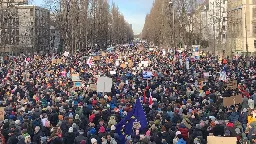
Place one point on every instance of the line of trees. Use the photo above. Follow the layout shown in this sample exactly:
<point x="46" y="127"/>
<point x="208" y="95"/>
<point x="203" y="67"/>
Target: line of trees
<point x="170" y="23"/>
<point x="89" y="23"/>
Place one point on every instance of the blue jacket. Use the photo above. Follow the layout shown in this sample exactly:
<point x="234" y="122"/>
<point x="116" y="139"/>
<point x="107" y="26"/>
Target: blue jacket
<point x="181" y="141"/>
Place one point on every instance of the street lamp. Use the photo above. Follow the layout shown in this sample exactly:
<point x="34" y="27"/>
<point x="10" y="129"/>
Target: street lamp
<point x="173" y="33"/>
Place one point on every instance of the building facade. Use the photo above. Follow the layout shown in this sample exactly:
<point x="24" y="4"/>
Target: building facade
<point x="24" y="28"/>
<point x="209" y="21"/>
<point x="242" y="26"/>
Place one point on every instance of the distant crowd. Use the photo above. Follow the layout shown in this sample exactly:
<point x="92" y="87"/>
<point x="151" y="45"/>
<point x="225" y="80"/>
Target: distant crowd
<point x="181" y="96"/>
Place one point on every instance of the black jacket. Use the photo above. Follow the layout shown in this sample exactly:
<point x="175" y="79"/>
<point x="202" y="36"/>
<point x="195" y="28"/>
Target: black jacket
<point x="36" y="138"/>
<point x="69" y="138"/>
<point x="12" y="140"/>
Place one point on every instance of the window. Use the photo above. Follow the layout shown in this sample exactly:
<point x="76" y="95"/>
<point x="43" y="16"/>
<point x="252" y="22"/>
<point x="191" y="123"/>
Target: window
<point x="254" y="13"/>
<point x="224" y="27"/>
<point x="254" y="43"/>
<point x="223" y="36"/>
<point x="32" y="12"/>
<point x="254" y="29"/>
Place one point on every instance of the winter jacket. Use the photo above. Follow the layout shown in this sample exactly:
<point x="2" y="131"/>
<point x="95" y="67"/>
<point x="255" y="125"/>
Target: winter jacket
<point x="79" y="138"/>
<point x="69" y="138"/>
<point x="184" y="132"/>
<point x="36" y="138"/>
<point x="218" y="130"/>
<point x="12" y="140"/>
<point x="243" y="118"/>
<point x="233" y="117"/>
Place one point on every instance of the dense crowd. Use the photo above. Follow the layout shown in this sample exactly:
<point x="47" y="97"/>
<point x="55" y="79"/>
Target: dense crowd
<point x="42" y="105"/>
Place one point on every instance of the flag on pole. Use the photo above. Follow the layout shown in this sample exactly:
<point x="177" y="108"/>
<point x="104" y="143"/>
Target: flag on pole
<point x="125" y="127"/>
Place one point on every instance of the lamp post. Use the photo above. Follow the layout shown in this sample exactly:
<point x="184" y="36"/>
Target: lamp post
<point x="173" y="20"/>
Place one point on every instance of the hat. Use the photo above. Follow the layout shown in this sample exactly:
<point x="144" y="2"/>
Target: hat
<point x="17" y="122"/>
<point x="92" y="131"/>
<point x="216" y="122"/>
<point x="238" y="131"/>
<point x="177" y="133"/>
<point x="93" y="140"/>
<point x="102" y="129"/>
<point x="70" y="130"/>
<point x="77" y="116"/>
<point x="81" y="131"/>
<point x="113" y="127"/>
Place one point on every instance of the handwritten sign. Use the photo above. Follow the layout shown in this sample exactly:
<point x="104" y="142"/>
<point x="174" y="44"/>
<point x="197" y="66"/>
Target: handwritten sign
<point x="92" y="87"/>
<point x="233" y="100"/>
<point x="75" y="77"/>
<point x="96" y="58"/>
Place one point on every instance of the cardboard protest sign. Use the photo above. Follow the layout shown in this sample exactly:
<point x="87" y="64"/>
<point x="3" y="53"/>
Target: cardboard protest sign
<point x="96" y="58"/>
<point x="92" y="87"/>
<point x="59" y="61"/>
<point x="123" y="65"/>
<point x="130" y="63"/>
<point x="233" y="100"/>
<point x="104" y="84"/>
<point x="1" y="113"/>
<point x="103" y="54"/>
<point x="54" y="61"/>
<point x="221" y="140"/>
<point x="75" y="77"/>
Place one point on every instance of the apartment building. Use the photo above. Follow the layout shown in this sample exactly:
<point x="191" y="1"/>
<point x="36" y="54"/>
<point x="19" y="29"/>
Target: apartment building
<point x="24" y="28"/>
<point x="242" y="26"/>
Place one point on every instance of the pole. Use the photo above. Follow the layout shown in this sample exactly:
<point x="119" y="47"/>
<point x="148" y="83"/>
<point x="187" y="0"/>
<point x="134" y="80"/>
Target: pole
<point x="247" y="53"/>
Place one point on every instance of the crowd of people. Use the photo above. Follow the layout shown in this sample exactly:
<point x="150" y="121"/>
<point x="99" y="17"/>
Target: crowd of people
<point x="182" y="105"/>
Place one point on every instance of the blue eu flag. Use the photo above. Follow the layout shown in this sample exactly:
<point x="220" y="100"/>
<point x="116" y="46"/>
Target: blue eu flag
<point x="125" y="127"/>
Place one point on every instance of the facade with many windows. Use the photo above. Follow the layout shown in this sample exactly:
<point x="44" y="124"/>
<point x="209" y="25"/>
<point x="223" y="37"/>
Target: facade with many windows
<point x="23" y="28"/>
<point x="242" y="25"/>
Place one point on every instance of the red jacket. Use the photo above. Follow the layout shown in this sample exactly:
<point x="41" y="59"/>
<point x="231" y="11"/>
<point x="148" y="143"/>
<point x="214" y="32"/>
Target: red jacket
<point x="184" y="133"/>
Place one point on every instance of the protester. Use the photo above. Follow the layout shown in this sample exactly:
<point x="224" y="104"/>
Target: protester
<point x="181" y="96"/>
